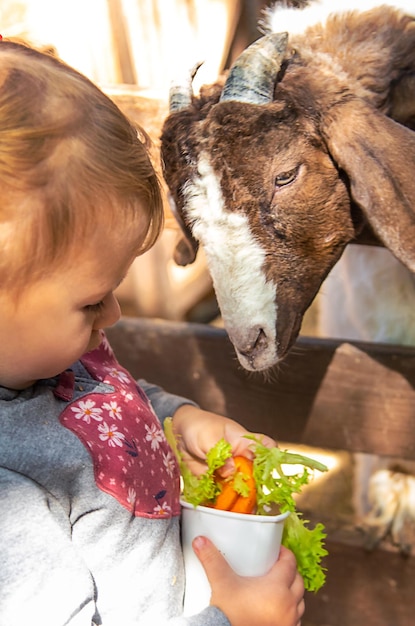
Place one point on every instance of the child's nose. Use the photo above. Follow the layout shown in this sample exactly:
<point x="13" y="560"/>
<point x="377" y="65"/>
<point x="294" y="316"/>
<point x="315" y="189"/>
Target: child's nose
<point x="109" y="314"/>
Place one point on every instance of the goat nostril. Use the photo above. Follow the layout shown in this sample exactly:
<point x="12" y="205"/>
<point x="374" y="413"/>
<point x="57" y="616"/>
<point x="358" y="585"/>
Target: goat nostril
<point x="261" y="341"/>
<point x="256" y="343"/>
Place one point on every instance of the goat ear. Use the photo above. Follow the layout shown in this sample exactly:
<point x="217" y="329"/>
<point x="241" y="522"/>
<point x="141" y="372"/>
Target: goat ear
<point x="186" y="248"/>
<point x="378" y="155"/>
<point x="185" y="251"/>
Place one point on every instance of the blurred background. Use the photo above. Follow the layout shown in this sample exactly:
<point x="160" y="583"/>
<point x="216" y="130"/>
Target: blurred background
<point x="133" y="49"/>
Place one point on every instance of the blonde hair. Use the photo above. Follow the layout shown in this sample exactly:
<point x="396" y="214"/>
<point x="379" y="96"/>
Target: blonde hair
<point x="68" y="158"/>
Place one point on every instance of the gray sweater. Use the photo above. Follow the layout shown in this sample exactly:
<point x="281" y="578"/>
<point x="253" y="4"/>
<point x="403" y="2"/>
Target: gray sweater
<point x="70" y="553"/>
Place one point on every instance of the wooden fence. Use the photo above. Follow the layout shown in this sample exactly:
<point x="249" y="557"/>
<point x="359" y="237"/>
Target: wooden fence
<point x="347" y="396"/>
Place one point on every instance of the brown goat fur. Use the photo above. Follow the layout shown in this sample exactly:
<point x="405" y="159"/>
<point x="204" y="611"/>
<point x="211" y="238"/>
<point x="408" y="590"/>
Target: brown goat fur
<point x="307" y="171"/>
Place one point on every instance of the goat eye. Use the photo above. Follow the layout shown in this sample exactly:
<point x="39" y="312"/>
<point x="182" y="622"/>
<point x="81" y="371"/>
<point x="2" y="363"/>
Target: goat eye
<point x="285" y="178"/>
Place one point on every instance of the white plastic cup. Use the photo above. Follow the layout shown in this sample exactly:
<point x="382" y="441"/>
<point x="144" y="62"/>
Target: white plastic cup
<point x="249" y="543"/>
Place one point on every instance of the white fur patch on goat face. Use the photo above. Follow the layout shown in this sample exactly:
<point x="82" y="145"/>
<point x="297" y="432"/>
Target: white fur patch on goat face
<point x="235" y="260"/>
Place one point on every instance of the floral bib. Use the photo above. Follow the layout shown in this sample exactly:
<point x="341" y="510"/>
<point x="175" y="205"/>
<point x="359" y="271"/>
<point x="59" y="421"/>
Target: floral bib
<point x="132" y="459"/>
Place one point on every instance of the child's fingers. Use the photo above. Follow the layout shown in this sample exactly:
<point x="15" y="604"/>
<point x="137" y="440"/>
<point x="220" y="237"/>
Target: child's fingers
<point x="301" y="609"/>
<point x="265" y="440"/>
<point x="297" y="590"/>
<point x="213" y="562"/>
<point x="243" y="445"/>
<point x="274" y="598"/>
<point x="285" y="569"/>
<point x="287" y="566"/>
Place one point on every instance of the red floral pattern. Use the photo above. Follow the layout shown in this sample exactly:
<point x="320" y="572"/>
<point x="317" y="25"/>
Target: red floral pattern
<point x="132" y="459"/>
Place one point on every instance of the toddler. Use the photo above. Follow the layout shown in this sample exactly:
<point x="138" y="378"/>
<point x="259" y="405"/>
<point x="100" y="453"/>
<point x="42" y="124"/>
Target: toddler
<point x="89" y="488"/>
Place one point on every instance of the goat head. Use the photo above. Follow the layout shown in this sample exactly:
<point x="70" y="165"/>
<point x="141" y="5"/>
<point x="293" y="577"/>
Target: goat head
<point x="275" y="171"/>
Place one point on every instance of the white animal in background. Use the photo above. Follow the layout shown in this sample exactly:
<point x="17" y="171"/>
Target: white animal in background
<point x="369" y="296"/>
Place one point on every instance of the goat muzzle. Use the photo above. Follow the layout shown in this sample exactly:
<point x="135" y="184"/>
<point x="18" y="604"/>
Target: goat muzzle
<point x="253" y="349"/>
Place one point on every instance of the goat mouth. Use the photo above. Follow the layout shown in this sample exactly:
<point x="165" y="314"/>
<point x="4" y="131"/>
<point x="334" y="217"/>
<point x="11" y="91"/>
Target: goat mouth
<point x="257" y="363"/>
<point x="287" y="334"/>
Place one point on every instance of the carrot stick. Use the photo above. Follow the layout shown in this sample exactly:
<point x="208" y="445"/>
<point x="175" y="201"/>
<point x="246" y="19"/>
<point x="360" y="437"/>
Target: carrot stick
<point x="227" y="497"/>
<point x="231" y="500"/>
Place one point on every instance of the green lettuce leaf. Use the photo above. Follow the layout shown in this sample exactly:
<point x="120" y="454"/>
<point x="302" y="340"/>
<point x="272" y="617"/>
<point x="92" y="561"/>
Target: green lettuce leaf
<point x="199" y="489"/>
<point x="275" y="492"/>
<point x="277" y="489"/>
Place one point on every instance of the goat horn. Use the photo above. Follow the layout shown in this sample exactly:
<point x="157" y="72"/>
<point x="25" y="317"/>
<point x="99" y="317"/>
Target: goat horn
<point x="181" y="92"/>
<point x="252" y="77"/>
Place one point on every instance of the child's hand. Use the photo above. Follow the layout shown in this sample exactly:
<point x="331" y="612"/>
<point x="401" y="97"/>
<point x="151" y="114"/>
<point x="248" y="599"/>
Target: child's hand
<point x="275" y="599"/>
<point x="198" y="431"/>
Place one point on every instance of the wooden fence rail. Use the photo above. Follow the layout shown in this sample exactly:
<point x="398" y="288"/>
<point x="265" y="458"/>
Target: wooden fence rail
<point x="347" y="396"/>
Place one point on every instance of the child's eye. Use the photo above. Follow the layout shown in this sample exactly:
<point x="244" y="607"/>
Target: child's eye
<point x="95" y="308"/>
